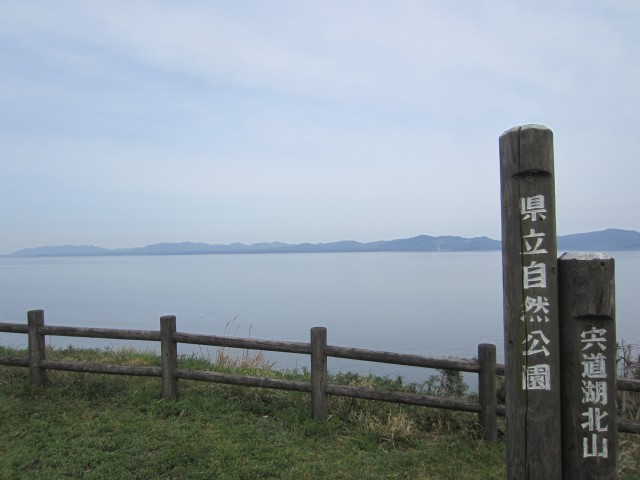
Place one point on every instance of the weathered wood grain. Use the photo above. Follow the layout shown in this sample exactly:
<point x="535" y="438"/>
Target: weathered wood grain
<point x="102" y="368"/>
<point x="230" y="379"/>
<point x="319" y="375"/>
<point x="487" y="391"/>
<point x="37" y="374"/>
<point x="93" y="332"/>
<point x="236" y="342"/>
<point x="403" y="359"/>
<point x="628" y="427"/>
<point x="405" y="398"/>
<point x="628" y="384"/>
<point x="532" y="374"/>
<point x="588" y="335"/>
<point x="169" y="353"/>
<point x="14" y="328"/>
<point x="14" y="361"/>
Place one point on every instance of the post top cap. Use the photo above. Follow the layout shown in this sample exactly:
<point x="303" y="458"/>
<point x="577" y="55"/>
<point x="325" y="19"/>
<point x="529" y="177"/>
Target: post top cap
<point x="585" y="256"/>
<point x="531" y="126"/>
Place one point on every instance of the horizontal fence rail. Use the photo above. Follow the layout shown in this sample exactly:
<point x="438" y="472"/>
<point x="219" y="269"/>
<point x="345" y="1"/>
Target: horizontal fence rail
<point x="485" y="366"/>
<point x="403" y="359"/>
<point x="243" y="380"/>
<point x="101" y="368"/>
<point x="244" y="343"/>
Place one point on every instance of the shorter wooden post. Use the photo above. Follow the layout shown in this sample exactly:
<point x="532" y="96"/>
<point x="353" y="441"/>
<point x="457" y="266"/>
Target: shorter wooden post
<point x="169" y="352"/>
<point x="487" y="391"/>
<point x="37" y="375"/>
<point x="588" y="368"/>
<point x="319" y="373"/>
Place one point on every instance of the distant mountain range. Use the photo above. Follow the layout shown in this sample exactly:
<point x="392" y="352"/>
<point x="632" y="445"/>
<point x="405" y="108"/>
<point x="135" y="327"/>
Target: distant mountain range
<point x="606" y="241"/>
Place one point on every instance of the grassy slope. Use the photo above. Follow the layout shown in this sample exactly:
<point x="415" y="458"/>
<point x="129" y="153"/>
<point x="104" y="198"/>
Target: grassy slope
<point x="95" y="426"/>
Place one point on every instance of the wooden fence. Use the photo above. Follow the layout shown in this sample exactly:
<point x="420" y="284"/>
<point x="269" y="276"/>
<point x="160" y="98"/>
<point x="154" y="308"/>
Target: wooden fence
<point x="485" y="366"/>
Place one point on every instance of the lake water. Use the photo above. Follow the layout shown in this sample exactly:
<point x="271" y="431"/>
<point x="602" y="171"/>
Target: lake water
<point x="435" y="304"/>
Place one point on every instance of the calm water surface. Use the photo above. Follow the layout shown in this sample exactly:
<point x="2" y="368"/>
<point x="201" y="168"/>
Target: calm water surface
<point x="436" y="304"/>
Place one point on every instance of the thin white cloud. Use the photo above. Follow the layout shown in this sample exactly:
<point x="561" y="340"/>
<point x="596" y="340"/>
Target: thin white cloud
<point x="368" y="48"/>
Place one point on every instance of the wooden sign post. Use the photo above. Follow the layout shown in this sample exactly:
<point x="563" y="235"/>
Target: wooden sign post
<point x="531" y="330"/>
<point x="588" y="340"/>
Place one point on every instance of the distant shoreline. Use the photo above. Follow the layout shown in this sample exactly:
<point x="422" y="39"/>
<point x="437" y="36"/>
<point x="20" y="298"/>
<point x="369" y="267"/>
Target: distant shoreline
<point x="604" y="240"/>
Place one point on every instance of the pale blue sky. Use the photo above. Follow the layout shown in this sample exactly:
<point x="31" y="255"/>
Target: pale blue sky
<point x="128" y="123"/>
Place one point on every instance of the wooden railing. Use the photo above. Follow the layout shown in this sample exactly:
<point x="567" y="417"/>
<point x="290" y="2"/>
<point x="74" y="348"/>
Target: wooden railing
<point x="485" y="366"/>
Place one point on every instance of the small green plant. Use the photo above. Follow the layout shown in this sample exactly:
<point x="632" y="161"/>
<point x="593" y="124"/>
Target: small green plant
<point x="446" y="383"/>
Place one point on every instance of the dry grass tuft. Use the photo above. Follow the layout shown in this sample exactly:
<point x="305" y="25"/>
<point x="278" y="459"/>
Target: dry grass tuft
<point x="628" y="454"/>
<point x="246" y="359"/>
<point x="394" y="428"/>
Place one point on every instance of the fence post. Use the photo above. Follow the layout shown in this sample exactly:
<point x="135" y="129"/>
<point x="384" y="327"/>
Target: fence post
<point x="169" y="352"/>
<point x="487" y="391"/>
<point x="588" y="337"/>
<point x="531" y="330"/>
<point x="319" y="373"/>
<point x="37" y="375"/>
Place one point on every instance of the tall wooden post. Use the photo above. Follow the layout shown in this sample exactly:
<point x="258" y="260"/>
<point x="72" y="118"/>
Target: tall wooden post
<point x="588" y="337"/>
<point x="319" y="373"/>
<point x="37" y="375"/>
<point x="169" y="352"/>
<point x="531" y="331"/>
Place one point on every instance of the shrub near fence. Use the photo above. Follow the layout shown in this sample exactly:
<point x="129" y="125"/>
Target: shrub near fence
<point x="485" y="366"/>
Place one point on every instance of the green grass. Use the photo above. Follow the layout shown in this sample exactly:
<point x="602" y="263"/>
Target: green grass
<point x="100" y="426"/>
